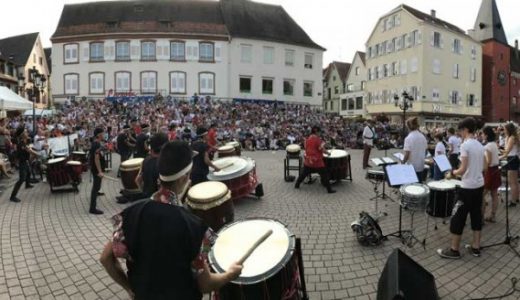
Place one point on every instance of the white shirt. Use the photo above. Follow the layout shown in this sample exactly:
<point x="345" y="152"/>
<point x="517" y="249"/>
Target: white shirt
<point x="474" y="151"/>
<point x="455" y="142"/>
<point x="492" y="148"/>
<point x="416" y="144"/>
<point x="514" y="149"/>
<point x="440" y="149"/>
<point x="368" y="136"/>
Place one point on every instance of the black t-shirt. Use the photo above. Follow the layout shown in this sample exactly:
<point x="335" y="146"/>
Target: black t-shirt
<point x="22" y="153"/>
<point x="199" y="166"/>
<point x="140" y="145"/>
<point x="122" y="146"/>
<point x="95" y="147"/>
<point x="150" y="173"/>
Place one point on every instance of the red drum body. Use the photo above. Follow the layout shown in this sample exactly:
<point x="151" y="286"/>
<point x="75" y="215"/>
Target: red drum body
<point x="75" y="170"/>
<point x="338" y="165"/>
<point x="129" y="171"/>
<point x="211" y="201"/>
<point x="272" y="270"/>
<point x="238" y="174"/>
<point x="57" y="173"/>
<point x="82" y="158"/>
<point x="226" y="151"/>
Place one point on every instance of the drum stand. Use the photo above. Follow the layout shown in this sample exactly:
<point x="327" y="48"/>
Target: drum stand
<point x="288" y="167"/>
<point x="378" y="214"/>
<point x="407" y="237"/>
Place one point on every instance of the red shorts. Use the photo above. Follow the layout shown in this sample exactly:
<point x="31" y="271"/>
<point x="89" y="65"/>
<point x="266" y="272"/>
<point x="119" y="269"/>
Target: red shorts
<point x="492" y="180"/>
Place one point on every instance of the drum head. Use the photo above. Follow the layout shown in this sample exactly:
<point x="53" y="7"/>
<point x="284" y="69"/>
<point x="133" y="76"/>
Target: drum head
<point x="268" y="259"/>
<point x="132" y="162"/>
<point x="55" y="160"/>
<point x="414" y="189"/>
<point x="335" y="153"/>
<point x="293" y="148"/>
<point x="73" y="163"/>
<point x="455" y="182"/>
<point x="78" y="152"/>
<point x="441" y="185"/>
<point x="226" y="148"/>
<point x="207" y="191"/>
<point x="378" y="172"/>
<point x="233" y="144"/>
<point x="231" y="165"/>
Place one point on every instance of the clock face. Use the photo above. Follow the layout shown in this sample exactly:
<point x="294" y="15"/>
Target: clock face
<point x="501" y="78"/>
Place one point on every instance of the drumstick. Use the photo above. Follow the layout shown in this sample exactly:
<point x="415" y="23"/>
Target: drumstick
<point x="227" y="165"/>
<point x="110" y="178"/>
<point x="255" y="245"/>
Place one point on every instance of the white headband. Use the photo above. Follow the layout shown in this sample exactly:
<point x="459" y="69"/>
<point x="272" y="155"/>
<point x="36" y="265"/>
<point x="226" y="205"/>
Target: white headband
<point x="177" y="175"/>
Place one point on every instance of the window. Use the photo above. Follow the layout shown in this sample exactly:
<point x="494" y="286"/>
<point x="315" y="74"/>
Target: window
<point x="96" y="51"/>
<point x="351" y="104"/>
<point x="363" y="85"/>
<point x="147" y="51"/>
<point x="206" y="52"/>
<point x="246" y="53"/>
<point x="41" y="61"/>
<point x="307" y="88"/>
<point x="472" y="100"/>
<point x="414" y="92"/>
<point x="97" y="83"/>
<point x="71" y="84"/>
<point x="267" y="86"/>
<point x="436" y="94"/>
<point x="148" y="82"/>
<point x="395" y="69"/>
<point x="288" y="87"/>
<point x="122" y="51"/>
<point x="383" y="48"/>
<point x="357" y="71"/>
<point x="71" y="53"/>
<point x="404" y="67"/>
<point x="369" y="52"/>
<point x="178" y="51"/>
<point x="457" y="46"/>
<point x="369" y="74"/>
<point x="350" y="87"/>
<point x="456" y="71"/>
<point x="391" y="45"/>
<point x="436" y="42"/>
<point x="359" y="102"/>
<point x="34" y="58"/>
<point x="399" y="43"/>
<point x="385" y="70"/>
<point x="343" y="104"/>
<point x="454" y="97"/>
<point x="268" y="55"/>
<point x="414" y="65"/>
<point x="404" y="39"/>
<point x="122" y="82"/>
<point x="473" y="75"/>
<point x="177" y="83"/>
<point x="436" y="66"/>
<point x="309" y="58"/>
<point x="207" y="83"/>
<point x="245" y="85"/>
<point x="473" y="52"/>
<point x="416" y="38"/>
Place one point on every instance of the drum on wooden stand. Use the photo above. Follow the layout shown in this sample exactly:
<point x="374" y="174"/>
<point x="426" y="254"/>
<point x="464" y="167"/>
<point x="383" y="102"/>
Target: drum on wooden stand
<point x="210" y="201"/>
<point x="57" y="173"/>
<point x="129" y="171"/>
<point x="273" y="269"/>
<point x="82" y="158"/>
<point x="75" y="170"/>
<point x="442" y="198"/>
<point x="293" y="151"/>
<point x="415" y="196"/>
<point x="226" y="151"/>
<point x="338" y="165"/>
<point x="236" y="145"/>
<point x="239" y="175"/>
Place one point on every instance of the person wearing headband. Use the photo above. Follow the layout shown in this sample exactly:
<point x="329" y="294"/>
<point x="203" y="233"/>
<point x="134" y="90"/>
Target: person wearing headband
<point x="164" y="245"/>
<point x="201" y="161"/>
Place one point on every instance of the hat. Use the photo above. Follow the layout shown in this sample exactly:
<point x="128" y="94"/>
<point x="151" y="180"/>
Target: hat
<point x="174" y="161"/>
<point x="97" y="131"/>
<point x="202" y="131"/>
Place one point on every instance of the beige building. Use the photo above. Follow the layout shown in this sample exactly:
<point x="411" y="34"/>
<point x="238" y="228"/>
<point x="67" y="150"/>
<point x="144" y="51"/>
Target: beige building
<point x="334" y="84"/>
<point x="352" y="102"/>
<point x="435" y="62"/>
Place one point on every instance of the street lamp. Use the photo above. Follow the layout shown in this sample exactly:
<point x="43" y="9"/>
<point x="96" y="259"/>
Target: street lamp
<point x="404" y="103"/>
<point x="21" y="83"/>
<point x="38" y="80"/>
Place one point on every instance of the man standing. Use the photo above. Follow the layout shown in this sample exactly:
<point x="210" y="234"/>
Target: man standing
<point x="454" y="148"/>
<point x="97" y="165"/>
<point x="148" y="177"/>
<point x="470" y="195"/>
<point x="368" y="141"/>
<point x="201" y="161"/>
<point x="124" y="146"/>
<point x="415" y="146"/>
<point x="141" y="142"/>
<point x="23" y="153"/>
<point x="314" y="150"/>
<point x="212" y="140"/>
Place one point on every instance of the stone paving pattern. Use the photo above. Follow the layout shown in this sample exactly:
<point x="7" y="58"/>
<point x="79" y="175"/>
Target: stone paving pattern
<point x="50" y="245"/>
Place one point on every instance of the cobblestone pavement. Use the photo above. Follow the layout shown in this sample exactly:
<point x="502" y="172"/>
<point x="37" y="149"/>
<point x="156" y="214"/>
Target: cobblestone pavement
<point x="50" y="245"/>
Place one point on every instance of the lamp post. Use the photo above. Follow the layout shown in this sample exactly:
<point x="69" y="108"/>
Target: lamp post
<point x="404" y="103"/>
<point x="38" y="80"/>
<point x="21" y="84"/>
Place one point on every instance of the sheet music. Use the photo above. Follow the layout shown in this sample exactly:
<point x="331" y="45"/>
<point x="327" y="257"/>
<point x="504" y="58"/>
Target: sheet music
<point x="377" y="161"/>
<point x="399" y="156"/>
<point x="388" y="160"/>
<point x="401" y="174"/>
<point x="443" y="163"/>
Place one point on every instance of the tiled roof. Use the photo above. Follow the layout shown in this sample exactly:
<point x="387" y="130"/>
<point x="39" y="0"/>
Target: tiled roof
<point x="428" y="18"/>
<point x="19" y="47"/>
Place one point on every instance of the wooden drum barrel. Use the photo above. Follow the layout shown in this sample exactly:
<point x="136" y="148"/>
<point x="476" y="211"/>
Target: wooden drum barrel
<point x="210" y="201"/>
<point x="129" y="171"/>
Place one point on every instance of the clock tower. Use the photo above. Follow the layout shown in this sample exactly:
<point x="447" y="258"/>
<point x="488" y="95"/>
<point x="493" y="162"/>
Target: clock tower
<point x="496" y="64"/>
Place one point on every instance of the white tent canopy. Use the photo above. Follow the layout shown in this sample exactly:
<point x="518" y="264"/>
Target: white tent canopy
<point x="9" y="100"/>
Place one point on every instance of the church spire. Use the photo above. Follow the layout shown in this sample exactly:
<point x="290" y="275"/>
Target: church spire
<point x="488" y="25"/>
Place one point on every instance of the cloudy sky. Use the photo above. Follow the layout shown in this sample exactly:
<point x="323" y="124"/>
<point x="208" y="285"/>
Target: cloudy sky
<point x="341" y="26"/>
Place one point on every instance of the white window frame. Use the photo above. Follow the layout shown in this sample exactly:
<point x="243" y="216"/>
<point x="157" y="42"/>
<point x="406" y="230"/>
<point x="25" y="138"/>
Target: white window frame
<point x="268" y="55"/>
<point x="291" y="84"/>
<point x="123" y="81"/>
<point x="289" y="57"/>
<point x="311" y="83"/>
<point x="71" y="84"/>
<point x="454" y="98"/>
<point x="437" y="40"/>
<point x="207" y="83"/>
<point x="148" y="51"/>
<point x="148" y="82"/>
<point x="71" y="53"/>
<point x="436" y="94"/>
<point x="457" y="46"/>
<point x="122" y="56"/>
<point x="96" y="51"/>
<point x="206" y="53"/>
<point x="308" y="61"/>
<point x="178" y="82"/>
<point x="178" y="51"/>
<point x="96" y="83"/>
<point x="246" y="53"/>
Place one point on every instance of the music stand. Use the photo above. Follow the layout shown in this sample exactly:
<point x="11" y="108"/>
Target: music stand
<point x="380" y="162"/>
<point x="509" y="239"/>
<point x="442" y="163"/>
<point x="396" y="176"/>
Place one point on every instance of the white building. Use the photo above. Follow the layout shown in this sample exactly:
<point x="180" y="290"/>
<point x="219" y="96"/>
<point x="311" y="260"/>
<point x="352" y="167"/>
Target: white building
<point x="233" y="49"/>
<point x="354" y="99"/>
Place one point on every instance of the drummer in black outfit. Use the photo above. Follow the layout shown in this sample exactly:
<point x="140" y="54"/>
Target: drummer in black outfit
<point x="22" y="153"/>
<point x="201" y="161"/>
<point x="141" y="142"/>
<point x="97" y="167"/>
<point x="148" y="177"/>
<point x="124" y="146"/>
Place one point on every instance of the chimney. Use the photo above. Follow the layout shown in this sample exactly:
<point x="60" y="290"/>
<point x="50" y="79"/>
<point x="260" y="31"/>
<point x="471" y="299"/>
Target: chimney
<point x="433" y="13"/>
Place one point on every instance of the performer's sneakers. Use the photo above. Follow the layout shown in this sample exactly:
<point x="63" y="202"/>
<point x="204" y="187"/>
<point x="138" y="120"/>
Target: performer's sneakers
<point x="331" y="191"/>
<point x="15" y="200"/>
<point x="96" y="212"/>
<point x="448" y="253"/>
<point x="472" y="251"/>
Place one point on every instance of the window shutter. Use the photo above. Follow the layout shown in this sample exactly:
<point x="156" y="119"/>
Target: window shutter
<point x="432" y="40"/>
<point x="408" y="40"/>
<point x="135" y="50"/>
<point x="419" y="37"/>
<point x="218" y="52"/>
<point x="85" y="52"/>
<point x="459" y="99"/>
<point x="397" y="20"/>
<point x="109" y="50"/>
<point x="450" y="95"/>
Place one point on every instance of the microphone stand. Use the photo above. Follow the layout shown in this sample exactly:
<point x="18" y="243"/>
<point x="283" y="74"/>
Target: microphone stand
<point x="509" y="239"/>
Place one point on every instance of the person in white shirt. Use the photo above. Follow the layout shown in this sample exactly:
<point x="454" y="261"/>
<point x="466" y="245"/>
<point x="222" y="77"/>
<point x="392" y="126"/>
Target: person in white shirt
<point x="440" y="149"/>
<point x="415" y="145"/>
<point x="471" y="169"/>
<point x="492" y="178"/>
<point x="454" y="148"/>
<point x="368" y="142"/>
<point x="513" y="162"/>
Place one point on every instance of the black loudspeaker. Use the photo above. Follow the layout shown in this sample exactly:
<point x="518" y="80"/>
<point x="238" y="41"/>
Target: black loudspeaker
<point x="403" y="278"/>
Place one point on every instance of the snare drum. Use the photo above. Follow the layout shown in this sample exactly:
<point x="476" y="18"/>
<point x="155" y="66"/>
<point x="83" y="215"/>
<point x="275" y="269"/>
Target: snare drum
<point x="238" y="174"/>
<point x="338" y="164"/>
<point x="375" y="175"/>
<point x="271" y="272"/>
<point x="129" y="171"/>
<point x="293" y="150"/>
<point x="442" y="198"/>
<point x="415" y="196"/>
<point x="210" y="202"/>
<point x="226" y="151"/>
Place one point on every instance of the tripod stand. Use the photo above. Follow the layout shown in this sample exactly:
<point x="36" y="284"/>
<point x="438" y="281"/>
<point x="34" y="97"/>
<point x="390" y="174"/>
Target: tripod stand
<point x="509" y="239"/>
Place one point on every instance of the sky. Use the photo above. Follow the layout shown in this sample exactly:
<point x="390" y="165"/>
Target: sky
<point x="340" y="26"/>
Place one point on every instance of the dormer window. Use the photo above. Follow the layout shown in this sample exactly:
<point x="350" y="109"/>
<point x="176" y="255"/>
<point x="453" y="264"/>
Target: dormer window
<point x="112" y="24"/>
